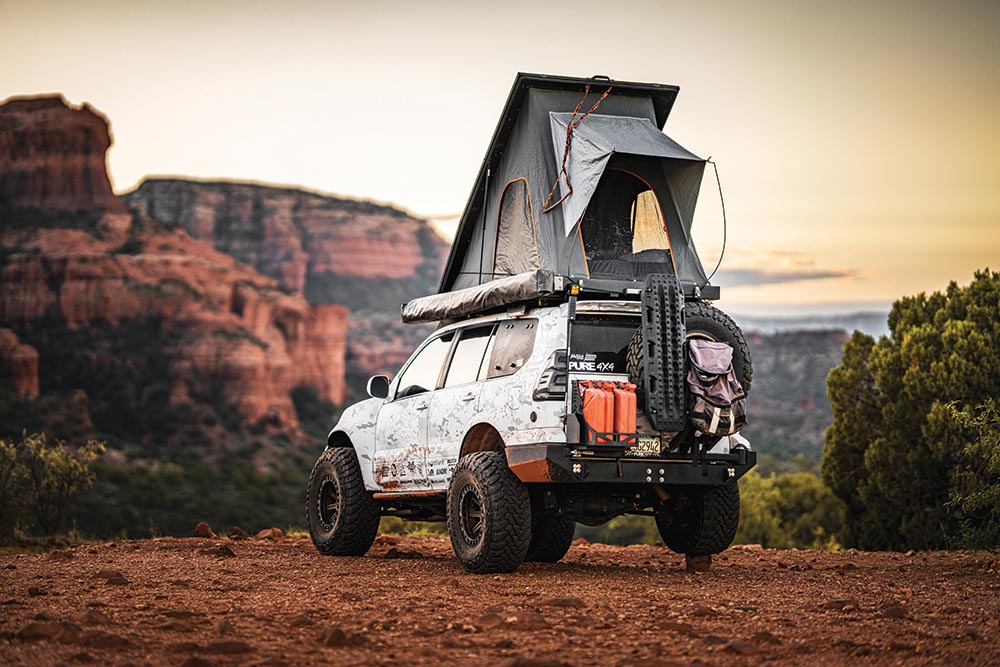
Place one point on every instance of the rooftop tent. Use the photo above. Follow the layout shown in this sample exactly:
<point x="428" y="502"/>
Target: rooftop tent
<point x="628" y="213"/>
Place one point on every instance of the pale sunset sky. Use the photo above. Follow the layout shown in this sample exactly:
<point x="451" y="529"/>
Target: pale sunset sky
<point x="858" y="142"/>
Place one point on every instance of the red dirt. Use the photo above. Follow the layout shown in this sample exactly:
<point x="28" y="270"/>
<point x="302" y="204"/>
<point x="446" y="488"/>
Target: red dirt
<point x="195" y="601"/>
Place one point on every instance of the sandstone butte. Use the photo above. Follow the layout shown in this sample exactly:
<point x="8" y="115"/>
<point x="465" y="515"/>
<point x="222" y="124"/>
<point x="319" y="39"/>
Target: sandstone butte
<point x="366" y="256"/>
<point x="256" y="339"/>
<point x="52" y="156"/>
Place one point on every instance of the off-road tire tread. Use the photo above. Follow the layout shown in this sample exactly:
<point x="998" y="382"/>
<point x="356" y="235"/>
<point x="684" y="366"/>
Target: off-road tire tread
<point x="706" y="525"/>
<point x="506" y="512"/>
<point x="551" y="537"/>
<point x="742" y="359"/>
<point x="359" y="511"/>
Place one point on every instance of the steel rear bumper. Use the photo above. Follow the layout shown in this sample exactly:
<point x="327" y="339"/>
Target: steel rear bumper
<point x="566" y="464"/>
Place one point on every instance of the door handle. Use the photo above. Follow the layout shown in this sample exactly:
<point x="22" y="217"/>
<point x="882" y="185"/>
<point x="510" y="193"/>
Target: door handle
<point x="421" y="408"/>
<point x="469" y="397"/>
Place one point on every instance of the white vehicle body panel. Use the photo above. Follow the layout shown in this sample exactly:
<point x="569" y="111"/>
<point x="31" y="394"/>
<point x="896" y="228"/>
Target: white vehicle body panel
<point x="413" y="443"/>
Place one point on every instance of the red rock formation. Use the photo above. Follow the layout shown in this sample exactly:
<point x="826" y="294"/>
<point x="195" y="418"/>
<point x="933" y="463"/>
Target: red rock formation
<point x="243" y="336"/>
<point x="291" y="234"/>
<point x="319" y="360"/>
<point x="19" y="363"/>
<point x="365" y="256"/>
<point x="52" y="156"/>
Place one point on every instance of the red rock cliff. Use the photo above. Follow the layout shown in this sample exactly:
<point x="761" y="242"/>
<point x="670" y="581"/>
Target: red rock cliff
<point x="253" y="340"/>
<point x="367" y="257"/>
<point x="52" y="156"/>
<point x="18" y="365"/>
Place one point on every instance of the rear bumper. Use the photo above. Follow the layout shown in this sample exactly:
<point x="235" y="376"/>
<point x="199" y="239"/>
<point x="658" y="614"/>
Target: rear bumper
<point x="562" y="464"/>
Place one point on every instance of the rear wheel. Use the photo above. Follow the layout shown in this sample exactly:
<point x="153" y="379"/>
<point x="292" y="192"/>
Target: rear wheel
<point x="705" y="523"/>
<point x="342" y="516"/>
<point x="489" y="514"/>
<point x="551" y="537"/>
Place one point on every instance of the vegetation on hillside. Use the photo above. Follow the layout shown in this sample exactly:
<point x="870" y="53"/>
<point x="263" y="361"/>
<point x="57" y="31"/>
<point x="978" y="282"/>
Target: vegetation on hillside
<point x="169" y="464"/>
<point x="38" y="480"/>
<point x="913" y="450"/>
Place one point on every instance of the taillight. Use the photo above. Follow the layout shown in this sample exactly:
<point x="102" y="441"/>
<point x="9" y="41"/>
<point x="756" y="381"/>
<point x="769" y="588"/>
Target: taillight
<point x="552" y="383"/>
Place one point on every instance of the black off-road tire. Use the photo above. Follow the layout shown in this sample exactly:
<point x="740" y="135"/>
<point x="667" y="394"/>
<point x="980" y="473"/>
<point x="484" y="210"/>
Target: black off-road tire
<point x="489" y="514"/>
<point x="341" y="514"/>
<point x="551" y="537"/>
<point x="702" y="320"/>
<point x="705" y="523"/>
<point x="705" y="320"/>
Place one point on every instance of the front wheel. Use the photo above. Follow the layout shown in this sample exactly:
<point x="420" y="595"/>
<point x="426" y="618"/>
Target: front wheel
<point x="342" y="516"/>
<point x="489" y="514"/>
<point x="705" y="523"/>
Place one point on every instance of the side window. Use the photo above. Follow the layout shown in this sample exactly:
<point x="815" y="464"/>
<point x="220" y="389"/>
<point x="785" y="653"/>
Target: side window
<point x="423" y="372"/>
<point x="468" y="357"/>
<point x="514" y="341"/>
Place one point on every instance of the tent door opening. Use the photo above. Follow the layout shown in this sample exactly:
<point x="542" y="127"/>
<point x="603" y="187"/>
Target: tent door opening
<point x="623" y="230"/>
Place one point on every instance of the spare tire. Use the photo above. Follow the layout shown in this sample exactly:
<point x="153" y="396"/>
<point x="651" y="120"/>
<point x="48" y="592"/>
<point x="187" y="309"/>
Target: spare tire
<point x="702" y="320"/>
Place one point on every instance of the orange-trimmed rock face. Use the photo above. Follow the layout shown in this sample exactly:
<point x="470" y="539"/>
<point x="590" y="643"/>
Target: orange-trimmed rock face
<point x="52" y="156"/>
<point x="367" y="257"/>
<point x="243" y="335"/>
<point x="19" y="363"/>
<point x="293" y="235"/>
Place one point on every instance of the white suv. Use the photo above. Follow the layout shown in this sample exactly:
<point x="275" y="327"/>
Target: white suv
<point x="483" y="428"/>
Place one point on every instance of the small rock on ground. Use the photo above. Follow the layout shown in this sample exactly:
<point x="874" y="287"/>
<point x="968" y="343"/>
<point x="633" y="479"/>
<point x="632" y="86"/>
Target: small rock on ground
<point x="204" y="530"/>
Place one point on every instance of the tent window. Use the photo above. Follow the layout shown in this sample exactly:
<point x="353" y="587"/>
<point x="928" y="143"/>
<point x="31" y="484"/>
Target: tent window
<point x="624" y="235"/>
<point x="649" y="231"/>
<point x="516" y="249"/>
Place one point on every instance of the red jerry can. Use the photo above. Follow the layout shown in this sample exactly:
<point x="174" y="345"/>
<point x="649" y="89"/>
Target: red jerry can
<point x="595" y="407"/>
<point x="625" y="409"/>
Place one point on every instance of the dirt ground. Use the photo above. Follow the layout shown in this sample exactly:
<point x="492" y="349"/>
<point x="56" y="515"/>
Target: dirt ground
<point x="199" y="602"/>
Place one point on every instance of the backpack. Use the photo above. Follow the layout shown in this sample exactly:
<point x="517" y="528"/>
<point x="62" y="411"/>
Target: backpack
<point x="718" y="402"/>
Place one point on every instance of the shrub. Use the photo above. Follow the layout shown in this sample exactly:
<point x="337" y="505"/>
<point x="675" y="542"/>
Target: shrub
<point x="38" y="480"/>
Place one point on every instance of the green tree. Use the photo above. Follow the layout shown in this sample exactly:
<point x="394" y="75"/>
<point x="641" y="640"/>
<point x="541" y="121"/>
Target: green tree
<point x="898" y="449"/>
<point x="788" y="510"/>
<point x="811" y="515"/>
<point x="51" y="475"/>
<point x="759" y="519"/>
<point x="975" y="495"/>
<point x="11" y="502"/>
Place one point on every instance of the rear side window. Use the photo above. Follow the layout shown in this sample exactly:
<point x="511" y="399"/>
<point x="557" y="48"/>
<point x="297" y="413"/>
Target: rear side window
<point x="468" y="356"/>
<point x="514" y="341"/>
<point x="600" y="345"/>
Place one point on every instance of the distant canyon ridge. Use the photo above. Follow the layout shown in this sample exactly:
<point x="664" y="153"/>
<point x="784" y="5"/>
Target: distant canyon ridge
<point x="249" y="291"/>
<point x="262" y="289"/>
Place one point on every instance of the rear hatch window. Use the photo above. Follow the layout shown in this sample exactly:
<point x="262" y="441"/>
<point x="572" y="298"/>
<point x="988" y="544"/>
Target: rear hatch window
<point x="599" y="344"/>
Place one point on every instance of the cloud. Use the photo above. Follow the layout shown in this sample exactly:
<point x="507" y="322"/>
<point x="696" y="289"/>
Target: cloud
<point x="772" y="268"/>
<point x="737" y="277"/>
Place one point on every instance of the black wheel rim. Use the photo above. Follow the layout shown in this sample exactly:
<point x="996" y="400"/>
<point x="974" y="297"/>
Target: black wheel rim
<point x="471" y="512"/>
<point x="328" y="502"/>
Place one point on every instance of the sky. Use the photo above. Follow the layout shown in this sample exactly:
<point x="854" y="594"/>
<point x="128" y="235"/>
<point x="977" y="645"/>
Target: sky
<point x="857" y="142"/>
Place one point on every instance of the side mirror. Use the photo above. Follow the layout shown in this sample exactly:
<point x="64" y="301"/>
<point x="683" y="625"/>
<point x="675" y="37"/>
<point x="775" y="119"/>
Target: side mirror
<point x="378" y="386"/>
